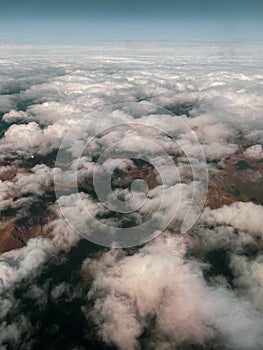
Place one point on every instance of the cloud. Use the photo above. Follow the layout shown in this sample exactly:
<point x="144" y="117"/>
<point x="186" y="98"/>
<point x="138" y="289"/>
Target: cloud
<point x="25" y="136"/>
<point x="5" y="103"/>
<point x="243" y="216"/>
<point x="14" y="115"/>
<point x="201" y="288"/>
<point x="159" y="290"/>
<point x="254" y="152"/>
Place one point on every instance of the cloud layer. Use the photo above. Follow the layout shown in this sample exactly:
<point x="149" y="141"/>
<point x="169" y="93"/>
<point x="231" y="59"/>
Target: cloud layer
<point x="199" y="289"/>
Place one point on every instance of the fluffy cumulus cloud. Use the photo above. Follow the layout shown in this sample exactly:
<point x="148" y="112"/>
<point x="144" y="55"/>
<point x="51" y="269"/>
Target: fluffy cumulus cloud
<point x="158" y="288"/>
<point x="243" y="216"/>
<point x="78" y="126"/>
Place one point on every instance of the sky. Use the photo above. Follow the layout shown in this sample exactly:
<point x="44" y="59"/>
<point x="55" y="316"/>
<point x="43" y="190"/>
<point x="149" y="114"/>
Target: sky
<point x="82" y="21"/>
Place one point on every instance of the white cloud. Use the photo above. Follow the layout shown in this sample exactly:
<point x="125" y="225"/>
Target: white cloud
<point x="14" y="115"/>
<point x="158" y="283"/>
<point x="72" y="91"/>
<point x="243" y="216"/>
<point x="254" y="152"/>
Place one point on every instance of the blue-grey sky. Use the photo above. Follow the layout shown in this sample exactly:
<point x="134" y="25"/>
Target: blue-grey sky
<point x="81" y="21"/>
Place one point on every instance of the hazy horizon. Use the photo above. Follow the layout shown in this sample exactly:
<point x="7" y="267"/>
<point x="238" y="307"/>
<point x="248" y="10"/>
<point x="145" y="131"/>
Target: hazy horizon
<point x="83" y="21"/>
<point x="131" y="175"/>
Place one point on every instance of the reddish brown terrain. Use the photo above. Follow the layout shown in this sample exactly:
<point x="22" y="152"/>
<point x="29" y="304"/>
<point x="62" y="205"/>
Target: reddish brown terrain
<point x="235" y="178"/>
